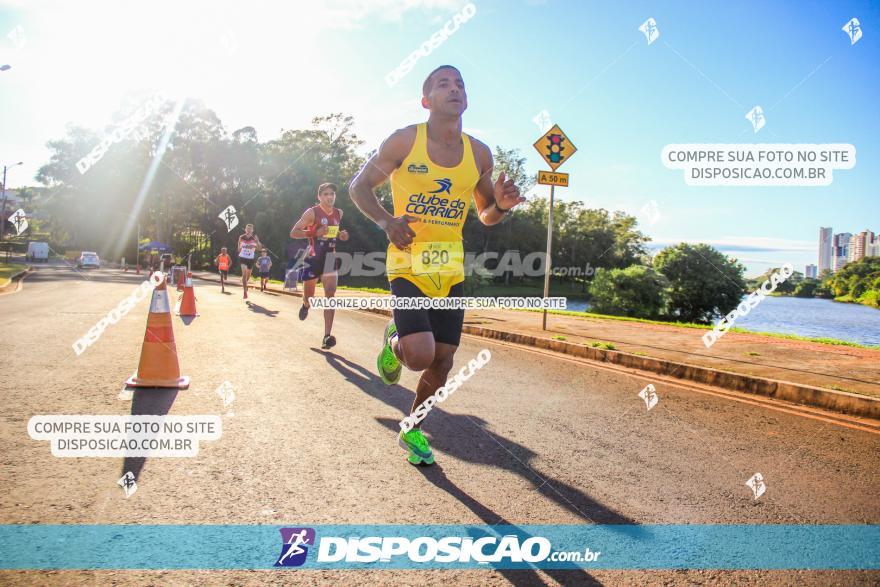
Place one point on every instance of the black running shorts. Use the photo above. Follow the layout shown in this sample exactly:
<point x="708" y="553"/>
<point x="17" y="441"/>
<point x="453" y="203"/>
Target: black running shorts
<point x="444" y="324"/>
<point x="315" y="267"/>
<point x="249" y="263"/>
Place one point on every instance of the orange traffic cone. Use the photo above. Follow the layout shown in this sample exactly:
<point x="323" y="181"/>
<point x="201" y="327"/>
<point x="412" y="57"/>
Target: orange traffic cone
<point x="187" y="304"/>
<point x="158" y="366"/>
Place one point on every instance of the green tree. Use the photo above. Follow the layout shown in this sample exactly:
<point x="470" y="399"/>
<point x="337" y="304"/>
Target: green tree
<point x="787" y="287"/>
<point x="856" y="279"/>
<point x="636" y="291"/>
<point x="806" y="288"/>
<point x="704" y="283"/>
<point x="823" y="290"/>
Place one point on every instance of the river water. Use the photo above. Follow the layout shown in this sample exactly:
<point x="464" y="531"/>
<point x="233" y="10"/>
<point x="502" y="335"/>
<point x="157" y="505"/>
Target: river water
<point x="806" y="317"/>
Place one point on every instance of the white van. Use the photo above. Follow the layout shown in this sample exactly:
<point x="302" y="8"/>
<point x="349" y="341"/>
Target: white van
<point x="37" y="251"/>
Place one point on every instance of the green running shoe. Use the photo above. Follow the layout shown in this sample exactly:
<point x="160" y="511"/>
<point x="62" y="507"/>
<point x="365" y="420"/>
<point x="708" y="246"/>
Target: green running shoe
<point x="415" y="443"/>
<point x="387" y="362"/>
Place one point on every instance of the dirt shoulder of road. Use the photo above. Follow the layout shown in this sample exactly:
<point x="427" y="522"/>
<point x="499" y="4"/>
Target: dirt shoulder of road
<point x="851" y="370"/>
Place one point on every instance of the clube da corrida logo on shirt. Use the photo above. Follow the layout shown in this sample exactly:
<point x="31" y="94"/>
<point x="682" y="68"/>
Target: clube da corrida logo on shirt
<point x="435" y="204"/>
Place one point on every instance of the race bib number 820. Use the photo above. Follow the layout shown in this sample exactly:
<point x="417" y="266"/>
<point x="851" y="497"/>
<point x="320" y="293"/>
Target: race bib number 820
<point x="437" y="257"/>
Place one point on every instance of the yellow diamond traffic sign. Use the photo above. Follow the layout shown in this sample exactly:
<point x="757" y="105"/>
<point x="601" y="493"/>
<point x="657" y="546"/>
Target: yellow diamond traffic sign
<point x="555" y="147"/>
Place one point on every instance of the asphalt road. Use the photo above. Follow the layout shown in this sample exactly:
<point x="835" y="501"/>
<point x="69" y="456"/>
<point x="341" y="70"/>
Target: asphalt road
<point x="532" y="438"/>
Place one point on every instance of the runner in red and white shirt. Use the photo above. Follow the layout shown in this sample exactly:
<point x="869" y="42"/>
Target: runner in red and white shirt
<point x="248" y="243"/>
<point x="320" y="224"/>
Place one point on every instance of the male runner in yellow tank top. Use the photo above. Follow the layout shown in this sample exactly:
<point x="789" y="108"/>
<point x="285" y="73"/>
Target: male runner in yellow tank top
<point x="435" y="169"/>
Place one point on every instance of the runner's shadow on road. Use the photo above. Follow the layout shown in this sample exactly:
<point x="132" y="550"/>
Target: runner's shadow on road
<point x="258" y="309"/>
<point x="437" y="476"/>
<point x="147" y="402"/>
<point x="468" y="438"/>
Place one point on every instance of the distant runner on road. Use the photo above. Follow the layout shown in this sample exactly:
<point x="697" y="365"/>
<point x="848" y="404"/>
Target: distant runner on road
<point x="264" y="264"/>
<point x="247" y="246"/>
<point x="320" y="224"/>
<point x="223" y="262"/>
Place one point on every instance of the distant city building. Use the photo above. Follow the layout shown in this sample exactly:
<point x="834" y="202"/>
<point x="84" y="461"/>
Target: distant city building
<point x="874" y="248"/>
<point x="860" y="245"/>
<point x="839" y="250"/>
<point x="825" y="234"/>
<point x="810" y="272"/>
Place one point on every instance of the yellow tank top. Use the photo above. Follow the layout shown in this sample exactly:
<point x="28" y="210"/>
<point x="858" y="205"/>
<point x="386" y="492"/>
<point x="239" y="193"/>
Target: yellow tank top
<point x="439" y="197"/>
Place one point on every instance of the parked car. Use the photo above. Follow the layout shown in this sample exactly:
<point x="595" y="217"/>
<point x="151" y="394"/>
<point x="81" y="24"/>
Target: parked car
<point x="38" y="251"/>
<point x="88" y="259"/>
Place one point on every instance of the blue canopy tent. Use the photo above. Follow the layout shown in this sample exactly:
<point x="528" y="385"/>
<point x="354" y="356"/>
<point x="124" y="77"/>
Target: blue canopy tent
<point x="153" y="245"/>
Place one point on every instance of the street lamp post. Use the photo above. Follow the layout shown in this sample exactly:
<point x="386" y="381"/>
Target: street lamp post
<point x="3" y="216"/>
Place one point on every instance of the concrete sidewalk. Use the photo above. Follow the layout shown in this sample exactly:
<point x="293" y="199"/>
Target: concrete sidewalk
<point x="839" y="378"/>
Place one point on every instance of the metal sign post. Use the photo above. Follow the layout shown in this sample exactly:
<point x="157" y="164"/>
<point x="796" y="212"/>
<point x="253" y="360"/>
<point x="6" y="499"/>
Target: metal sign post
<point x="549" y="247"/>
<point x="555" y="147"/>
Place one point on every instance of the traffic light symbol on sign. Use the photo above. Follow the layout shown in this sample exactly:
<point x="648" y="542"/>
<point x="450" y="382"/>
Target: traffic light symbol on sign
<point x="555" y="147"/>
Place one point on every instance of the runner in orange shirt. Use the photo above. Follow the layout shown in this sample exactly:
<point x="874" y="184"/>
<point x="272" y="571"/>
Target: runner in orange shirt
<point x="223" y="261"/>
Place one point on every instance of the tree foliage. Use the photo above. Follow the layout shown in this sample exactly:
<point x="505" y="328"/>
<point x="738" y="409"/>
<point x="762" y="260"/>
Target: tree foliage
<point x="858" y="281"/>
<point x="703" y="282"/>
<point x="636" y="291"/>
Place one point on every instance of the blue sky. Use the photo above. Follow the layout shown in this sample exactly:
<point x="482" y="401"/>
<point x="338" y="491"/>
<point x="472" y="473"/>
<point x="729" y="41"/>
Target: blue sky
<point x="619" y="99"/>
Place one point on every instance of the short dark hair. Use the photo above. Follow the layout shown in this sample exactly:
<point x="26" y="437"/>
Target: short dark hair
<point x="324" y="186"/>
<point x="426" y="86"/>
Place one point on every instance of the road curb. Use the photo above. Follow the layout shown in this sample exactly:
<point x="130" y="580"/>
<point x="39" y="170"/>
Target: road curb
<point x="828" y="399"/>
<point x="13" y="280"/>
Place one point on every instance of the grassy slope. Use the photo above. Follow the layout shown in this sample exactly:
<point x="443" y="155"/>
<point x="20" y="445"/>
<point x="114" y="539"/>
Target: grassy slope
<point x="7" y="270"/>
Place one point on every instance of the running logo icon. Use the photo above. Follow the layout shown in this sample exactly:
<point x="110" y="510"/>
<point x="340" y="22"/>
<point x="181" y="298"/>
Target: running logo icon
<point x="128" y="483"/>
<point x="650" y="30"/>
<point x="445" y="186"/>
<point x="649" y="395"/>
<point x="651" y="211"/>
<point x="19" y="39"/>
<point x="229" y="217"/>
<point x="226" y="393"/>
<point x="19" y="219"/>
<point x="756" y="117"/>
<point x="854" y="30"/>
<point x="294" y="547"/>
<point x="757" y="485"/>
<point x="542" y="119"/>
